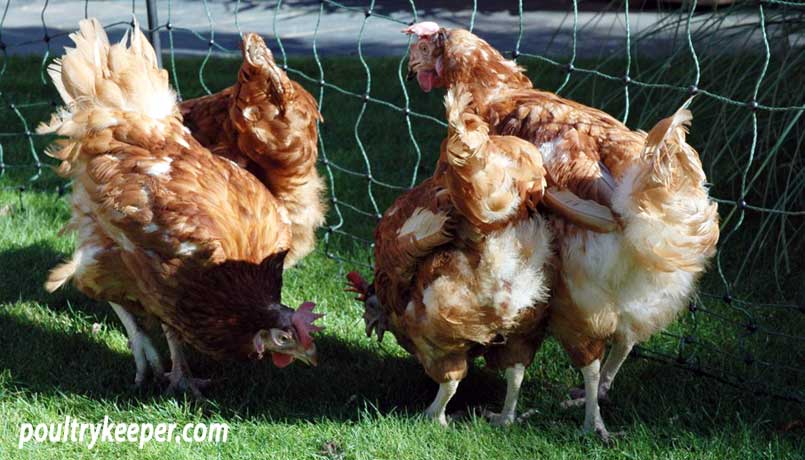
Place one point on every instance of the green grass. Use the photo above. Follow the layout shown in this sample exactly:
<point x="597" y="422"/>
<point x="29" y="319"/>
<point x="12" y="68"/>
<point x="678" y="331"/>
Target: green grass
<point x="364" y="397"/>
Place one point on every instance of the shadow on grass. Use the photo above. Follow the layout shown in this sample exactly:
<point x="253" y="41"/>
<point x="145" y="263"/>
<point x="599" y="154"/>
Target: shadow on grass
<point x="53" y="362"/>
<point x="25" y="270"/>
<point x="668" y="402"/>
<point x="24" y="273"/>
<point x="353" y="377"/>
<point x="354" y="374"/>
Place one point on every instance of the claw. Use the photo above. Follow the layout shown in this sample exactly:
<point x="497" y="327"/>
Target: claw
<point x="577" y="397"/>
<point x="180" y="383"/>
<point x="605" y="436"/>
<point x="441" y="418"/>
<point x="571" y="403"/>
<point x="499" y="419"/>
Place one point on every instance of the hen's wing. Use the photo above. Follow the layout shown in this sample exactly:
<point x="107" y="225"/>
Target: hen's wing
<point x="418" y="222"/>
<point x="207" y="117"/>
<point x="491" y="179"/>
<point x="589" y="136"/>
<point x="142" y="192"/>
<point x="584" y="151"/>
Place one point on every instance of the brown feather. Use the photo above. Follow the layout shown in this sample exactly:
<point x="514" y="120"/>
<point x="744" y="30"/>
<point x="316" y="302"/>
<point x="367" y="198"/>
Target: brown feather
<point x="267" y="124"/>
<point x="165" y="228"/>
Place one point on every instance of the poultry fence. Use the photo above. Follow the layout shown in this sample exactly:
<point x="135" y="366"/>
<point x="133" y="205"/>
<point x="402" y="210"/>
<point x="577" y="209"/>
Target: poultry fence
<point x="743" y="62"/>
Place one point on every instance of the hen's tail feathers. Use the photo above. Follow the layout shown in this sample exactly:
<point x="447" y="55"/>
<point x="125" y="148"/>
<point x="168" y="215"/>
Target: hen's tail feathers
<point x="99" y="82"/>
<point x="60" y="274"/>
<point x="668" y="217"/>
<point x="666" y="149"/>
<point x="467" y="132"/>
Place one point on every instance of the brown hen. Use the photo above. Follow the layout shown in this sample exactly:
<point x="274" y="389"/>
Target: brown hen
<point x="631" y="281"/>
<point x="267" y="123"/>
<point x="164" y="228"/>
<point x="462" y="261"/>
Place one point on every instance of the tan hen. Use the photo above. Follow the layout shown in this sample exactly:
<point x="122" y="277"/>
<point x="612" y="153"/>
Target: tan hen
<point x="267" y="123"/>
<point x="463" y="261"/>
<point x="166" y="229"/>
<point x="631" y="281"/>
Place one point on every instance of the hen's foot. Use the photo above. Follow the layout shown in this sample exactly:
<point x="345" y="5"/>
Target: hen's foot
<point x="577" y="397"/>
<point x="437" y="416"/>
<point x="500" y="419"/>
<point x="181" y="382"/>
<point x="142" y="349"/>
<point x="436" y="410"/>
<point x="603" y="434"/>
<point x="144" y="355"/>
<point x="508" y="415"/>
<point x="179" y="377"/>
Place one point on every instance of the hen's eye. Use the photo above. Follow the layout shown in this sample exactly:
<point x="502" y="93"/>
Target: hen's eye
<point x="281" y="338"/>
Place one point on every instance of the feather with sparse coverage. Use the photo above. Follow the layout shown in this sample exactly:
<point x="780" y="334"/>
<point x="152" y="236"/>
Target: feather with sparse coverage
<point x="267" y="124"/>
<point x="492" y="180"/>
<point x="444" y="287"/>
<point x="164" y="228"/>
<point x="631" y="281"/>
<point x="463" y="261"/>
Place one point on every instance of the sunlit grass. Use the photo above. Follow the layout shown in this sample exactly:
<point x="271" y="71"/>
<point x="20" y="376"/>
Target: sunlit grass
<point x="364" y="398"/>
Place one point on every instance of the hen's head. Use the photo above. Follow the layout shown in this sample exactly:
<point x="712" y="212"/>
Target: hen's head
<point x="426" y="56"/>
<point x="374" y="316"/>
<point x="261" y="71"/>
<point x="444" y="57"/>
<point x="233" y="310"/>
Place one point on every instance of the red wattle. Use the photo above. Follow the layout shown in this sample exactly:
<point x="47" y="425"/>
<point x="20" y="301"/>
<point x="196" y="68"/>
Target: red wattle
<point x="426" y="80"/>
<point x="281" y="360"/>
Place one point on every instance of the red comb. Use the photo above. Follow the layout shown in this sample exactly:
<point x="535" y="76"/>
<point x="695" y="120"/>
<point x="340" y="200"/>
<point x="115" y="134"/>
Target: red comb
<point x="422" y="29"/>
<point x="302" y="320"/>
<point x="358" y="285"/>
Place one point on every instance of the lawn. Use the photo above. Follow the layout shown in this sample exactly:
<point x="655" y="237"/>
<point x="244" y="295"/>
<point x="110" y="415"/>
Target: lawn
<point x="64" y="354"/>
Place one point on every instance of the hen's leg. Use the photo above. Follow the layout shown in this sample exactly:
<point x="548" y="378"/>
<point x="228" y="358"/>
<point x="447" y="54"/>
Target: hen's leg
<point x="616" y="357"/>
<point x="592" y="412"/>
<point x="179" y="376"/>
<point x="140" y="345"/>
<point x="514" y="380"/>
<point x="436" y="410"/>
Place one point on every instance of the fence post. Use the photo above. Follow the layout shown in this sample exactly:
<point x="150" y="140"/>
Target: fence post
<point x="153" y="33"/>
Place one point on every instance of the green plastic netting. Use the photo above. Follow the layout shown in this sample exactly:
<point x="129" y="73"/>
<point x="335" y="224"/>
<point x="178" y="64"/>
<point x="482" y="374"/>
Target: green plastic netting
<point x="745" y="327"/>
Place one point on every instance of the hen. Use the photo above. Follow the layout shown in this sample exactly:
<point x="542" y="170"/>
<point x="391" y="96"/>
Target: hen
<point x="267" y="123"/>
<point x="462" y="261"/>
<point x="622" y="286"/>
<point x="165" y="229"/>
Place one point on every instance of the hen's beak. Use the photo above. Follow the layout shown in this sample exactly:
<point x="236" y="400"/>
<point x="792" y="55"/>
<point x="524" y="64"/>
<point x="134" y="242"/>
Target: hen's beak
<point x="411" y="74"/>
<point x="309" y="356"/>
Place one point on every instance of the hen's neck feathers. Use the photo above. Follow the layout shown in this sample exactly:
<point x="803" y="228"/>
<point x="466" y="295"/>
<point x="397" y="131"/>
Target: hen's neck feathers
<point x="472" y="61"/>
